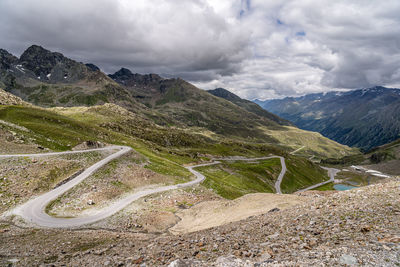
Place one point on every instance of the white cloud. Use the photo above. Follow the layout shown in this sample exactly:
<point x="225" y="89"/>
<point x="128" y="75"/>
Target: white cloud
<point x="255" y="48"/>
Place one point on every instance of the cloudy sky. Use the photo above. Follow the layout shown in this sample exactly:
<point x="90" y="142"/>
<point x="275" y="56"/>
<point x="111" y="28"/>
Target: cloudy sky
<point x="255" y="48"/>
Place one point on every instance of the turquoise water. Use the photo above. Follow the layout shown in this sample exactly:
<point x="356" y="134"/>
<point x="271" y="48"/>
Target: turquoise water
<point x="343" y="187"/>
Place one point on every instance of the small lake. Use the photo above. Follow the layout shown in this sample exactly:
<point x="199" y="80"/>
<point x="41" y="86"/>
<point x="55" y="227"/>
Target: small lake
<point x="343" y="187"/>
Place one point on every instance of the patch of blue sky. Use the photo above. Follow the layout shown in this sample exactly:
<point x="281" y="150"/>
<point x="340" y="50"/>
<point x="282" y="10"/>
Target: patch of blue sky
<point x="301" y="33"/>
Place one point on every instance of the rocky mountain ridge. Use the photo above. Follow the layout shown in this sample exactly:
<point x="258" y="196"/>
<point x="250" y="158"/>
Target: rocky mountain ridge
<point x="247" y="104"/>
<point x="49" y="79"/>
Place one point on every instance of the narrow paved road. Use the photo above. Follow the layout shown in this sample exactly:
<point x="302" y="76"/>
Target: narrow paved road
<point x="297" y="150"/>
<point x="34" y="210"/>
<point x="281" y="174"/>
<point x="331" y="172"/>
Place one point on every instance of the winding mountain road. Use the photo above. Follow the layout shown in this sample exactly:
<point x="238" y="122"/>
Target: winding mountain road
<point x="33" y="210"/>
<point x="281" y="174"/>
<point x="331" y="172"/>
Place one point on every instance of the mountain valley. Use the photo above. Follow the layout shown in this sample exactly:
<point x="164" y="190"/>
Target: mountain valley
<point x="214" y="179"/>
<point x="363" y="118"/>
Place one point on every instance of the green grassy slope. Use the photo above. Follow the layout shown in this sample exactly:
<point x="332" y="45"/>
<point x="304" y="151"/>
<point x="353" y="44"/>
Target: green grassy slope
<point x="380" y="154"/>
<point x="301" y="173"/>
<point x="51" y="80"/>
<point x="62" y="129"/>
<point x="47" y="128"/>
<point x="247" y="105"/>
<point x="58" y="132"/>
<point x="235" y="179"/>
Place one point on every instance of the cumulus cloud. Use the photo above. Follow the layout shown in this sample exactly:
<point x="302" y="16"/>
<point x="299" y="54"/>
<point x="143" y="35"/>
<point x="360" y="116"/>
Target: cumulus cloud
<point x="159" y="35"/>
<point x="306" y="46"/>
<point x="255" y="48"/>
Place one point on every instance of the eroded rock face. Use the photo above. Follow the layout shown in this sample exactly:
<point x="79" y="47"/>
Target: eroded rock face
<point x="92" y="67"/>
<point x="7" y="59"/>
<point x="9" y="99"/>
<point x="51" y="66"/>
<point x="126" y="77"/>
<point x="89" y="145"/>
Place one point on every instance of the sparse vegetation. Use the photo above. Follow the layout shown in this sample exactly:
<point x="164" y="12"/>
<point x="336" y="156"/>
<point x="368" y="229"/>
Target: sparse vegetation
<point x="235" y="179"/>
<point x="301" y="173"/>
<point x="326" y="187"/>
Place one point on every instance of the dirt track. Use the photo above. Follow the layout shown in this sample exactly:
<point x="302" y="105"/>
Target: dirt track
<point x="215" y="213"/>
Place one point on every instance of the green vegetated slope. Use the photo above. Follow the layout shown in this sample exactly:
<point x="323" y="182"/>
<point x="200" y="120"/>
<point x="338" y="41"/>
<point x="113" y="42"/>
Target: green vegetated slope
<point x="48" y="129"/>
<point x="63" y="128"/>
<point x="384" y="158"/>
<point x="169" y="121"/>
<point x="234" y="179"/>
<point x="59" y="132"/>
<point x="380" y="154"/>
<point x="50" y="79"/>
<point x="363" y="118"/>
<point x="237" y="178"/>
<point x="301" y="173"/>
<point x="325" y="187"/>
<point x="390" y="151"/>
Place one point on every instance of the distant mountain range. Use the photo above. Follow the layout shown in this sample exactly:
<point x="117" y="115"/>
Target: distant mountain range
<point x="363" y="118"/>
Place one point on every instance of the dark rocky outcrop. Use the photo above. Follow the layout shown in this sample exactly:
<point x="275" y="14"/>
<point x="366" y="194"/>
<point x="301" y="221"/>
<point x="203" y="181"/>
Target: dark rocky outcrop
<point x="92" y="67"/>
<point x="126" y="77"/>
<point x="7" y="60"/>
<point x="52" y="66"/>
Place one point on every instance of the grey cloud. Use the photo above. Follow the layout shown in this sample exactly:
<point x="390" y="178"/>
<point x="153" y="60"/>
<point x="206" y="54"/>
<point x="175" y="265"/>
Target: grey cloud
<point x="183" y="36"/>
<point x="238" y="45"/>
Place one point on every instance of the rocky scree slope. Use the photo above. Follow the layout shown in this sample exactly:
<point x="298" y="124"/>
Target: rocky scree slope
<point x="363" y="118"/>
<point x="10" y="99"/>
<point x="356" y="227"/>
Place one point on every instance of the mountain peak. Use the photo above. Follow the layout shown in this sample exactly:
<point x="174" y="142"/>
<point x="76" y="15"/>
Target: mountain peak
<point x="40" y="60"/>
<point x="36" y="48"/>
<point x="126" y="77"/>
<point x="4" y="52"/>
<point x="92" y="67"/>
<point x="221" y="92"/>
<point x="122" y="76"/>
<point x="6" y="59"/>
<point x="123" y="72"/>
<point x="52" y="66"/>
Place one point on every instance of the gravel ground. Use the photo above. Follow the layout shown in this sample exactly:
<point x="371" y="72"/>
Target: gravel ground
<point x="24" y="177"/>
<point x="357" y="227"/>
